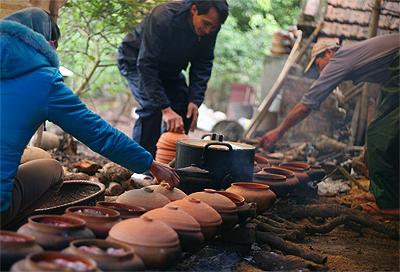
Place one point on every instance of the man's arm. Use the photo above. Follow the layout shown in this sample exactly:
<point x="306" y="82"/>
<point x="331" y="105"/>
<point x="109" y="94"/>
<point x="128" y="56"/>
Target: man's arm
<point x="297" y="114"/>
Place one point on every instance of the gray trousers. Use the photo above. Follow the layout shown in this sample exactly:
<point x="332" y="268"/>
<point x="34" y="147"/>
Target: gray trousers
<point x="34" y="182"/>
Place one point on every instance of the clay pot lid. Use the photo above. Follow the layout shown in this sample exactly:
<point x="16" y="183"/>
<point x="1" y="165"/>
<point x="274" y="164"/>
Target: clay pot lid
<point x="56" y="222"/>
<point x="279" y="171"/>
<point x="11" y="238"/>
<point x="104" y="245"/>
<point x="220" y="203"/>
<point x="199" y="210"/>
<point x="201" y="143"/>
<point x="172" y="137"/>
<point x="235" y="198"/>
<point x="175" y="217"/>
<point x="251" y="185"/>
<point x="145" y="197"/>
<point x="302" y="165"/>
<point x="172" y="194"/>
<point x="92" y="212"/>
<point x="263" y="175"/>
<point x="144" y="231"/>
<point x="48" y="256"/>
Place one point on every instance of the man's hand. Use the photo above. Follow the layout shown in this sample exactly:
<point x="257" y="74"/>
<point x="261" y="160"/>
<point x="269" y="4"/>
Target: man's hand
<point x="163" y="172"/>
<point x="270" y="138"/>
<point x="174" y="121"/>
<point x="192" y="112"/>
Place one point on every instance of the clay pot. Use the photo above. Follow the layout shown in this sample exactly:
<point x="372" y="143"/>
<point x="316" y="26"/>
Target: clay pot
<point x="254" y="192"/>
<point x="55" y="261"/>
<point x="261" y="159"/>
<point x="235" y="198"/>
<point x="125" y="211"/>
<point x="154" y="241"/>
<point x="299" y="169"/>
<point x="188" y="229"/>
<point x="223" y="205"/>
<point x="172" y="194"/>
<point x="55" y="232"/>
<point x="208" y="218"/>
<point x="98" y="219"/>
<point x="279" y="186"/>
<point x="316" y="173"/>
<point x="14" y="247"/>
<point x="166" y="146"/>
<point x="145" y="197"/>
<point x="109" y="256"/>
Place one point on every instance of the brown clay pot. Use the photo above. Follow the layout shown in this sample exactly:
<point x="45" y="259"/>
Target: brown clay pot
<point x="299" y="169"/>
<point x="281" y="187"/>
<point x="98" y="219"/>
<point x="188" y="229"/>
<point x="223" y="205"/>
<point x="208" y="218"/>
<point x="261" y="159"/>
<point x="145" y="197"/>
<point x="125" y="211"/>
<point x="14" y="247"/>
<point x="235" y="198"/>
<point x="55" y="232"/>
<point x="154" y="241"/>
<point x="254" y="192"/>
<point x="50" y="261"/>
<point x="172" y="194"/>
<point x="123" y="259"/>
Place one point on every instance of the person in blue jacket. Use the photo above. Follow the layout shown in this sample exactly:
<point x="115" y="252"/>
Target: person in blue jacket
<point x="153" y="56"/>
<point x="32" y="91"/>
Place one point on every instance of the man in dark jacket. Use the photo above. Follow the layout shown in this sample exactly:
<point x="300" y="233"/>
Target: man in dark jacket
<point x="153" y="56"/>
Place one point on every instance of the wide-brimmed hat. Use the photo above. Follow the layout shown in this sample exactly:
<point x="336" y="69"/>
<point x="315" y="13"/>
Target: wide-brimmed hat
<point x="318" y="48"/>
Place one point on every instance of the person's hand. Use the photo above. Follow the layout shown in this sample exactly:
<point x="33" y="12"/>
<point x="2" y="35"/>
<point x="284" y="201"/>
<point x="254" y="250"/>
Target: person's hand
<point x="173" y="120"/>
<point x="270" y="138"/>
<point x="163" y="172"/>
<point x="192" y="112"/>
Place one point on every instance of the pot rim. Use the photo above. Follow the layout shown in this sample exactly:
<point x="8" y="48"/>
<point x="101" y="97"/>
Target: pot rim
<point x="129" y="252"/>
<point x="124" y="207"/>
<point x="251" y="185"/>
<point x="199" y="143"/>
<point x="90" y="264"/>
<point x="28" y="240"/>
<point x="80" y="223"/>
<point x="112" y="214"/>
<point x="284" y="172"/>
<point x="302" y="165"/>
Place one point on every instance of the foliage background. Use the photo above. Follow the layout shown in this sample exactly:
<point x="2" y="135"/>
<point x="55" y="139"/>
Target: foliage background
<point x="92" y="30"/>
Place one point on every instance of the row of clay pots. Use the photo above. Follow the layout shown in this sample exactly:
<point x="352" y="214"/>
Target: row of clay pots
<point x="166" y="146"/>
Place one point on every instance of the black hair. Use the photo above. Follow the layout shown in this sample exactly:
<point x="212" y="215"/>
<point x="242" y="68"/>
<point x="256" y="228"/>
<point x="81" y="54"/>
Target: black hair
<point x="55" y="30"/>
<point x="203" y="6"/>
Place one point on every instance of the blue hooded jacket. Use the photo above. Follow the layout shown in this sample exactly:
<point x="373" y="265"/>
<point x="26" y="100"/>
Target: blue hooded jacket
<point x="32" y="91"/>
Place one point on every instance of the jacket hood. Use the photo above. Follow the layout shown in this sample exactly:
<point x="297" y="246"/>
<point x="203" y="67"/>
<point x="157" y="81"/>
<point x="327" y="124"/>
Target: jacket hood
<point x="23" y="50"/>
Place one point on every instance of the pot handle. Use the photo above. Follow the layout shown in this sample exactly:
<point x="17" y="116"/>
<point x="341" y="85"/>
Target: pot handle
<point x="204" y="156"/>
<point x="214" y="137"/>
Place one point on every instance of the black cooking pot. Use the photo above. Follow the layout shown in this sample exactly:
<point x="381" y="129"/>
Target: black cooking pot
<point x="226" y="161"/>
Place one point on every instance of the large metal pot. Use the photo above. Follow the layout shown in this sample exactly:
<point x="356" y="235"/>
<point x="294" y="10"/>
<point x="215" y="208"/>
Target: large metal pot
<point x="226" y="161"/>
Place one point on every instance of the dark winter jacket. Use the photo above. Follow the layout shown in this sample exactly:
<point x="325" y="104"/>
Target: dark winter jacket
<point x="161" y="47"/>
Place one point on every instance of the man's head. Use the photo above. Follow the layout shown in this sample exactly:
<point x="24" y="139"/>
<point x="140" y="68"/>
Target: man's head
<point x="321" y="53"/>
<point x="208" y="15"/>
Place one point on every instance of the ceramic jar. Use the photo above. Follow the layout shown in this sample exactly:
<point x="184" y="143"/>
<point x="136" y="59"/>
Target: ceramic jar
<point x="277" y="183"/>
<point x="172" y="194"/>
<point x="223" y="205"/>
<point x="55" y="261"/>
<point x="145" y="197"/>
<point x="208" y="218"/>
<point x="254" y="192"/>
<point x="109" y="256"/>
<point x="98" y="219"/>
<point x="188" y="229"/>
<point x="166" y="146"/>
<point x="299" y="169"/>
<point x="155" y="242"/>
<point x="278" y="186"/>
<point x="55" y="232"/>
<point x="125" y="211"/>
<point x="14" y="247"/>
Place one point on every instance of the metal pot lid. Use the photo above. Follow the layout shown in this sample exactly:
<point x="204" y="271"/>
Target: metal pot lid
<point x="201" y="144"/>
<point x="193" y="171"/>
